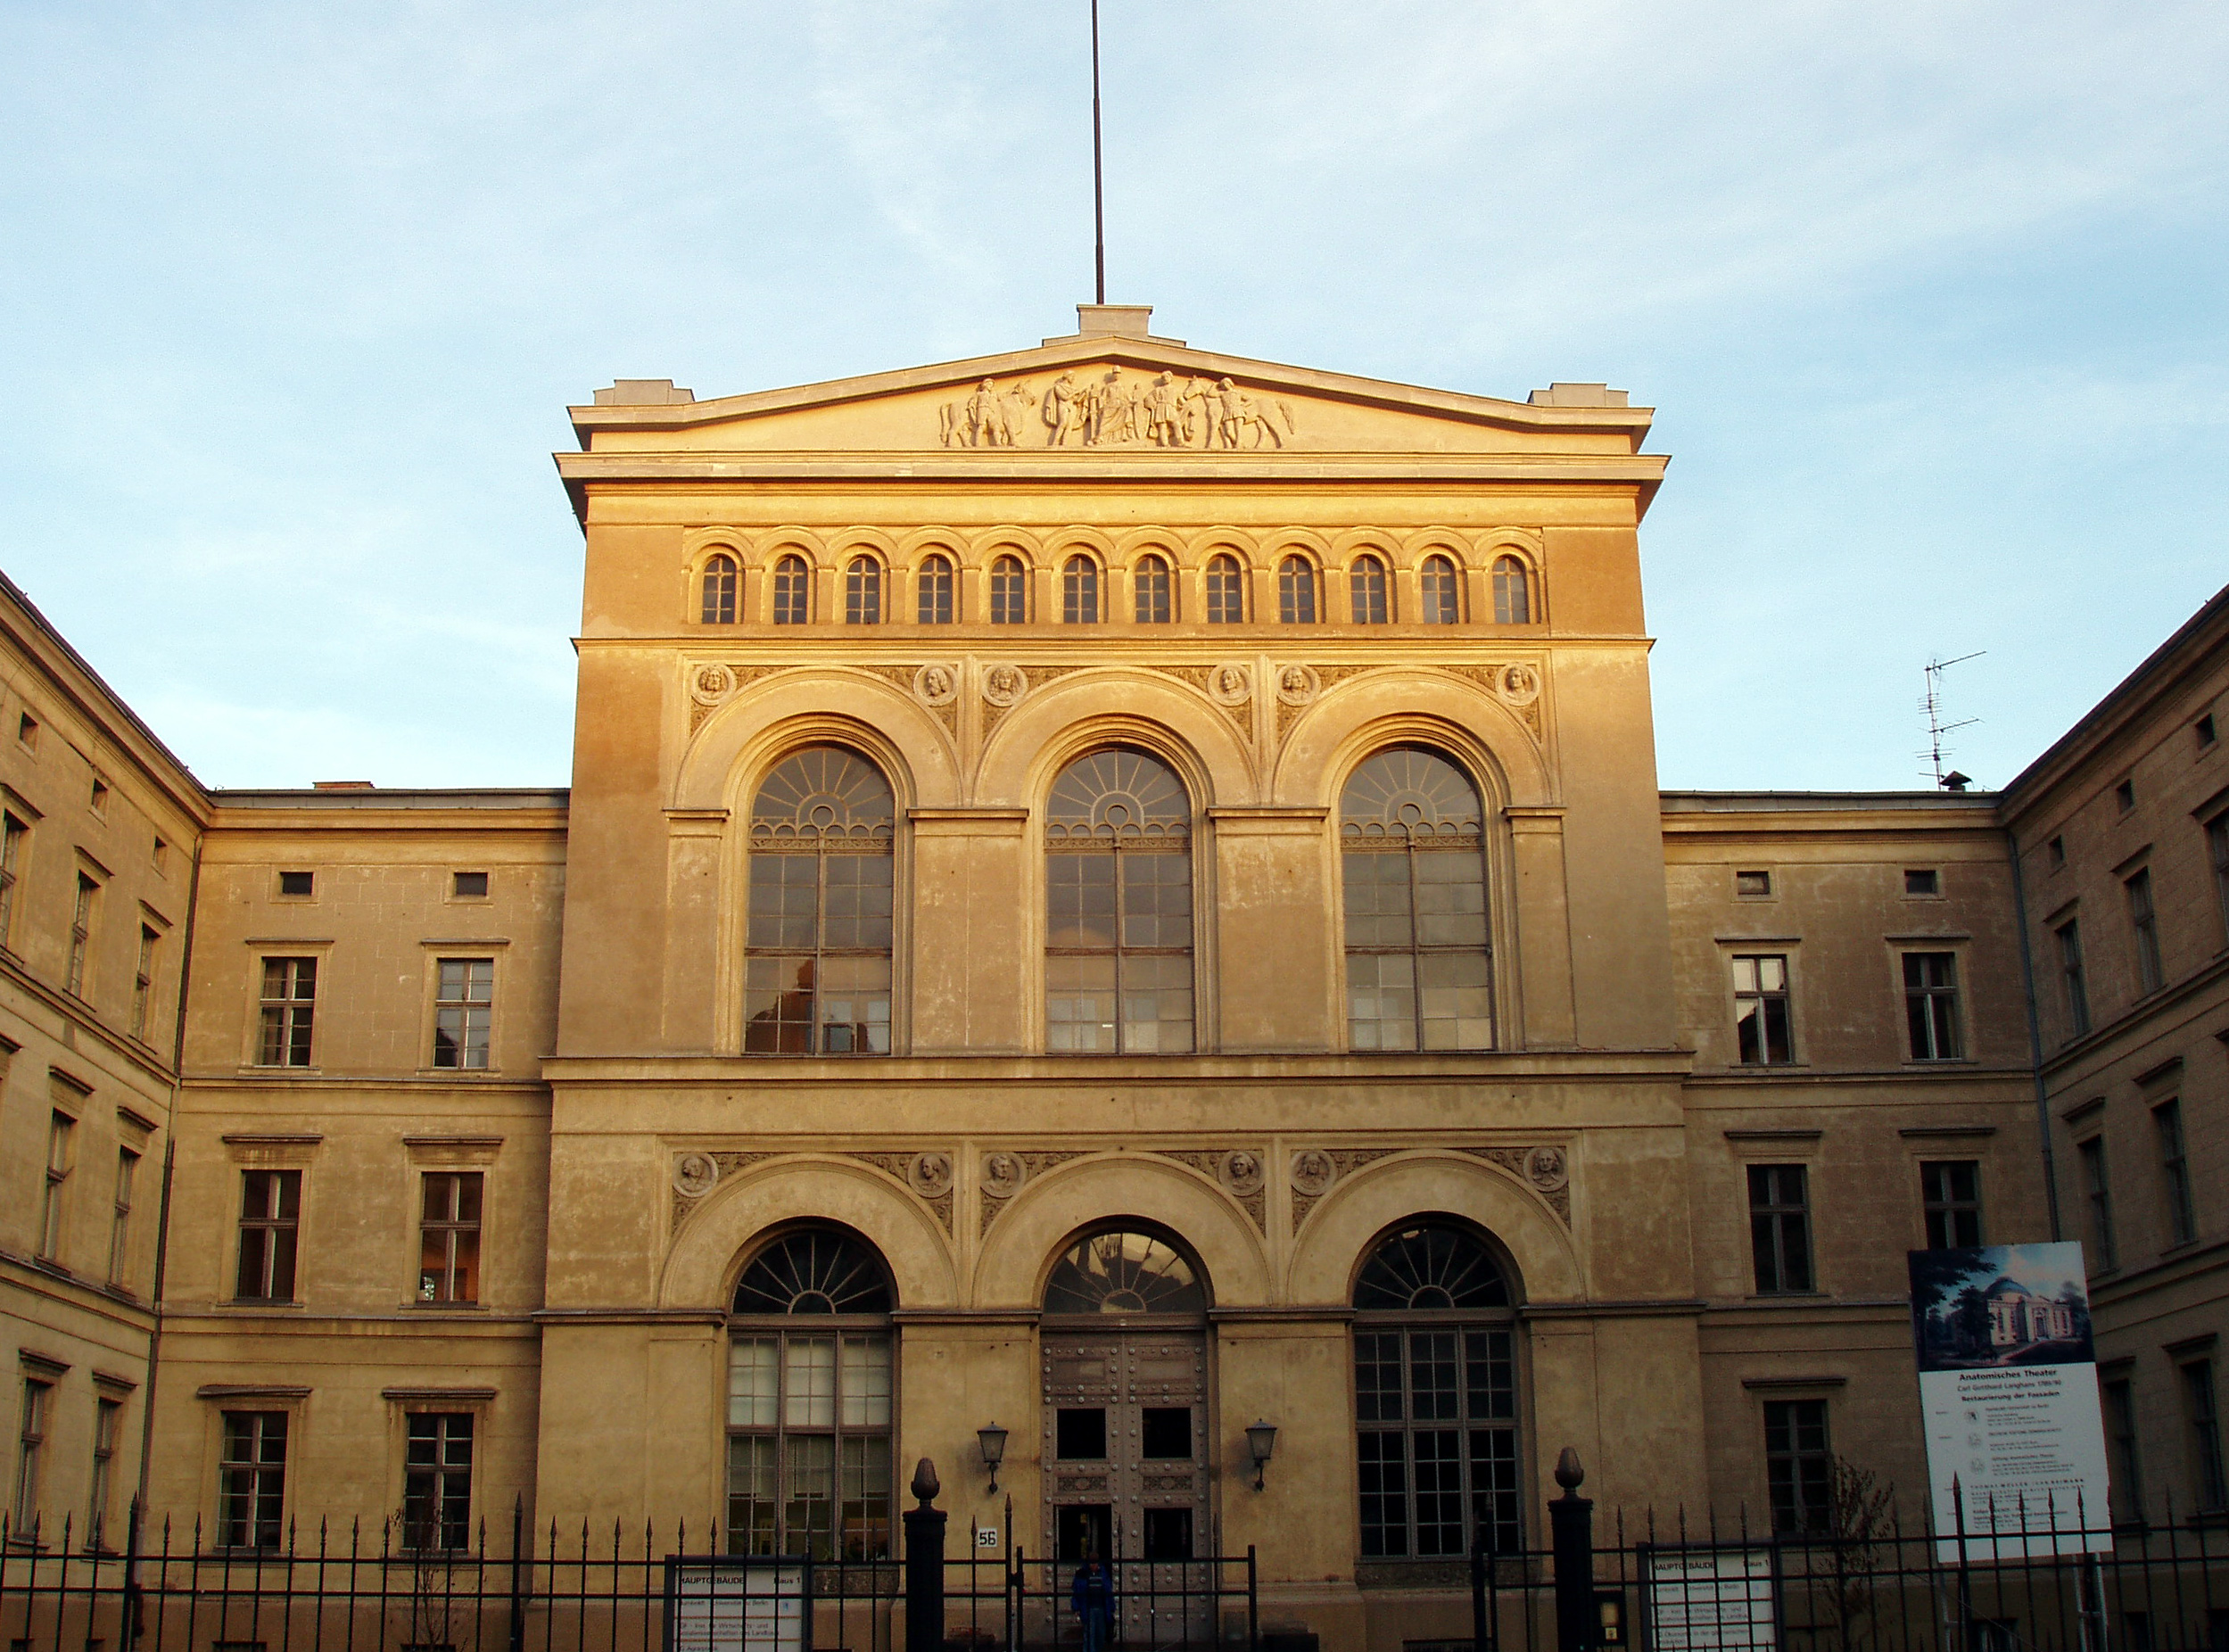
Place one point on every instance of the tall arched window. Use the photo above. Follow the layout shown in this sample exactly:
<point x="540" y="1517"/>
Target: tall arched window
<point x="1149" y="582"/>
<point x="1009" y="591"/>
<point x="1365" y="591"/>
<point x="793" y="591"/>
<point x="1227" y="591"/>
<point x="817" y="964"/>
<point x="1435" y="588"/>
<point x="1512" y="592"/>
<point x="719" y="590"/>
<point x="1296" y="591"/>
<point x="1124" y="1272"/>
<point x="862" y="592"/>
<point x="932" y="587"/>
<point x="1419" y="968"/>
<point x="809" y="1401"/>
<point x="1117" y="932"/>
<point x="1079" y="591"/>
<point x="1435" y="1395"/>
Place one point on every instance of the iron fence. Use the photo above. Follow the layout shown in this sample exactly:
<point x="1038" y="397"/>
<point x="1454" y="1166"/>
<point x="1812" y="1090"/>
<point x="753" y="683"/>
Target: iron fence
<point x="366" y="1588"/>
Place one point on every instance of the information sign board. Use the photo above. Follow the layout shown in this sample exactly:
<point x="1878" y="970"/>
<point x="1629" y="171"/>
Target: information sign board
<point x="1710" y="1599"/>
<point x="727" y="1603"/>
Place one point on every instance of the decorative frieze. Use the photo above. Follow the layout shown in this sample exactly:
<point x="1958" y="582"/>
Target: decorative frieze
<point x="1545" y="1168"/>
<point x="1095" y="410"/>
<point x="927" y="1173"/>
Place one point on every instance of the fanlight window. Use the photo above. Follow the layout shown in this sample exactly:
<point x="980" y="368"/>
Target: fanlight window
<point x="1365" y="591"/>
<point x="862" y="592"/>
<point x="1149" y="580"/>
<point x="809" y="1402"/>
<point x="1435" y="1397"/>
<point x="1079" y="591"/>
<point x="1009" y="591"/>
<point x="1418" y="961"/>
<point x="1227" y="591"/>
<point x="1296" y="591"/>
<point x="1436" y="588"/>
<point x="793" y="586"/>
<point x="1117" y="968"/>
<point x="933" y="592"/>
<point x="719" y="590"/>
<point x="1513" y="594"/>
<point x="1124" y="1273"/>
<point x="815" y="1271"/>
<point x="817" y="964"/>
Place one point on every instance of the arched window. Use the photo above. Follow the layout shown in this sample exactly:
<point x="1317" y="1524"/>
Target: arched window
<point x="1365" y="591"/>
<point x="793" y="589"/>
<point x="932" y="587"/>
<point x="1079" y="591"/>
<point x="1418" y="965"/>
<point x="1296" y="591"/>
<point x="719" y="590"/>
<point x="1435" y="586"/>
<point x="862" y="592"/>
<point x="1124" y="1272"/>
<point x="1118" y="932"/>
<point x="1512" y="592"/>
<point x="1227" y="591"/>
<point x="1435" y="1396"/>
<point x="809" y="1401"/>
<point x="1150" y="582"/>
<point x="1009" y="591"/>
<point x="817" y="962"/>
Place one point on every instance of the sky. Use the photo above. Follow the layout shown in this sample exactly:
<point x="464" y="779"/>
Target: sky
<point x="1932" y="300"/>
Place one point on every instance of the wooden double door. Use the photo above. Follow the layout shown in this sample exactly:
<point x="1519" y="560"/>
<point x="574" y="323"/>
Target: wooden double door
<point x="1126" y="1443"/>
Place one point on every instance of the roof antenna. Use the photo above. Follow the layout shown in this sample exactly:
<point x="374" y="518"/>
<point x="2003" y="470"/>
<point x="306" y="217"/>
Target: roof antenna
<point x="1098" y="184"/>
<point x="1931" y="703"/>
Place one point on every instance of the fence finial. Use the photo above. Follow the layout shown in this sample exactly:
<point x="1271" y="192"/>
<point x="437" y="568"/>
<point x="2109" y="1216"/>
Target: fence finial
<point x="925" y="1483"/>
<point x="1569" y="1475"/>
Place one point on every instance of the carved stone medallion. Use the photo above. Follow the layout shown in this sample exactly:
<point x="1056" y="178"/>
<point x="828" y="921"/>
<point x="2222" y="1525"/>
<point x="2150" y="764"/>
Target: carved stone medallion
<point x="1004" y="685"/>
<point x="1230" y="685"/>
<point x="930" y="1174"/>
<point x="1520" y="684"/>
<point x="694" y="1174"/>
<point x="1240" y="1171"/>
<point x="937" y="684"/>
<point x="710" y="683"/>
<point x="1297" y="685"/>
<point x="1001" y="1175"/>
<point x="1546" y="1169"/>
<point x="1311" y="1171"/>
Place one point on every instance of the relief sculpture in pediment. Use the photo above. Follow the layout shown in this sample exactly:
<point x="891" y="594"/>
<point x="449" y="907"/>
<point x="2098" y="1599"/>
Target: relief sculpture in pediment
<point x="1109" y="410"/>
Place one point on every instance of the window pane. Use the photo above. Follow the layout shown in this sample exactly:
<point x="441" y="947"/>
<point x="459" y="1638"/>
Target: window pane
<point x="809" y="1382"/>
<point x="1385" y="1485"/>
<point x="1381" y="1001"/>
<point x="866" y="1382"/>
<point x="809" y="1518"/>
<point x="752" y="1386"/>
<point x="1080" y="1003"/>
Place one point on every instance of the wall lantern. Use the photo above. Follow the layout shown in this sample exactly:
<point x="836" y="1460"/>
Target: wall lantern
<point x="1261" y="1440"/>
<point x="993" y="1439"/>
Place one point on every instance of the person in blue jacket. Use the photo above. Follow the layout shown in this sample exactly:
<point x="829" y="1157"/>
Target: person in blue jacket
<point x="1093" y="1597"/>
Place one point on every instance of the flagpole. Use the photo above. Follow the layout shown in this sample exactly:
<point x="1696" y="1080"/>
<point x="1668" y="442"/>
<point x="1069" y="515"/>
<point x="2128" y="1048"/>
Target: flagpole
<point x="1098" y="185"/>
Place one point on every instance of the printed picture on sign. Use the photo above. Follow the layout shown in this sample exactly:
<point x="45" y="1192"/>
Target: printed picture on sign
<point x="1999" y="1305"/>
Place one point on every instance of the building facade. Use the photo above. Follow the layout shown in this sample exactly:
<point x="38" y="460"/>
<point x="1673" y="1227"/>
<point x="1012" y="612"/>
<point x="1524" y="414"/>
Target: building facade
<point x="1114" y="893"/>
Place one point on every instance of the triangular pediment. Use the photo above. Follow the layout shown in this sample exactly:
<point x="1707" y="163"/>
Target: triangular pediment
<point x="1108" y="396"/>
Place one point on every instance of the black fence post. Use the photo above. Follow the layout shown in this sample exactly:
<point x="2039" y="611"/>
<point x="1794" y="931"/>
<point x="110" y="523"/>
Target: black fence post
<point x="924" y="1565"/>
<point x="518" y="1578"/>
<point x="1571" y="1526"/>
<point x="1481" y="1631"/>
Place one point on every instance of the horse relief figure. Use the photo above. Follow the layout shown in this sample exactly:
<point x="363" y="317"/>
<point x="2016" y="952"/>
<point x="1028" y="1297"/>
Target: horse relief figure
<point x="1237" y="413"/>
<point x="985" y="419"/>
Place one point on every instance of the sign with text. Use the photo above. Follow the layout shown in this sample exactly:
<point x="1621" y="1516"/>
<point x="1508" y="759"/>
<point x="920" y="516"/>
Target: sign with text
<point x="737" y="1603"/>
<point x="2007" y="1393"/>
<point x="1709" y="1599"/>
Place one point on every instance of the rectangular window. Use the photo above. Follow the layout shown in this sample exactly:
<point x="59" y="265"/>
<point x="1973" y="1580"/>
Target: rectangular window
<point x="2097" y="1190"/>
<point x="2125" y="796"/>
<point x="1437" y="1440"/>
<point x="99" y="798"/>
<point x="1752" y="886"/>
<point x="809" y="1446"/>
<point x="81" y="934"/>
<point x="1225" y="592"/>
<point x="2124" y="1468"/>
<point x="252" y="1480"/>
<point x="1010" y="592"/>
<point x="107" y="1426"/>
<point x="2217" y="851"/>
<point x="298" y="883"/>
<point x="290" y="993"/>
<point x="14" y="834"/>
<point x="1931" y="1005"/>
<point x="2057" y="849"/>
<point x="119" y="1232"/>
<point x="53" y="1219"/>
<point x="932" y="593"/>
<point x="2071" y="976"/>
<point x="2204" y="729"/>
<point x="144" y="981"/>
<point x="449" y="1237"/>
<point x="30" y="1452"/>
<point x="463" y="1001"/>
<point x="1079" y="591"/>
<point x="1150" y="592"/>
<point x="1296" y="591"/>
<point x="437" y="1480"/>
<point x="2174" y="1172"/>
<point x="469" y="886"/>
<point x="1923" y="884"/>
<point x="2204" y="1421"/>
<point x="1799" y="1466"/>
<point x="862" y="592"/>
<point x="1760" y="1010"/>
<point x="270" y="1219"/>
<point x="2143" y="922"/>
<point x="26" y="731"/>
<point x="1779" y="1228"/>
<point x="1951" y="1191"/>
